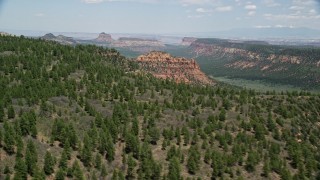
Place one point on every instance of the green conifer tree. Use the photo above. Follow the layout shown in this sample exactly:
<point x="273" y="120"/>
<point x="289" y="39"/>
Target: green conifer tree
<point x="174" y="169"/>
<point x="49" y="163"/>
<point x="31" y="157"/>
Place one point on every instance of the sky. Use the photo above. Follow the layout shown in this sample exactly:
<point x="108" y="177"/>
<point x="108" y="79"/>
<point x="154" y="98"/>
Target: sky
<point x="156" y="16"/>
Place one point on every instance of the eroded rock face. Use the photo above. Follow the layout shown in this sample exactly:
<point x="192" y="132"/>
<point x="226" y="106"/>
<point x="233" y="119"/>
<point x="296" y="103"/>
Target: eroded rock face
<point x="104" y="38"/>
<point x="163" y="65"/>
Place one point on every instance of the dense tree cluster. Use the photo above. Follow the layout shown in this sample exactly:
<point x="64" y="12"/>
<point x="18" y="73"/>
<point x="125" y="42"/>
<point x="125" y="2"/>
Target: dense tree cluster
<point x="85" y="112"/>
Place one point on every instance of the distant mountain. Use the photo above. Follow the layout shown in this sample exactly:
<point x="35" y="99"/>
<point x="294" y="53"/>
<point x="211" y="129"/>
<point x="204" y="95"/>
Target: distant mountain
<point x="265" y="33"/>
<point x="104" y="38"/>
<point x="4" y="34"/>
<point x="186" y="41"/>
<point x="60" y="39"/>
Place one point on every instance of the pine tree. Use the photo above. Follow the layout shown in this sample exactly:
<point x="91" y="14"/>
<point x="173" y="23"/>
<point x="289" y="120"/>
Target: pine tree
<point x="39" y="175"/>
<point x="103" y="171"/>
<point x="7" y="177"/>
<point x="98" y="161"/>
<point x="11" y="113"/>
<point x="1" y="113"/>
<point x="21" y="171"/>
<point x="67" y="149"/>
<point x="77" y="173"/>
<point x="93" y="175"/>
<point x="154" y="135"/>
<point x="1" y="137"/>
<point x="86" y="153"/>
<point x="63" y="164"/>
<point x="252" y="160"/>
<point x="121" y="176"/>
<point x="72" y="136"/>
<point x="60" y="174"/>
<point x="20" y="146"/>
<point x="31" y="157"/>
<point x="186" y="138"/>
<point x="131" y="165"/>
<point x="135" y="126"/>
<point x="193" y="160"/>
<point x="110" y="148"/>
<point x="222" y="115"/>
<point x="8" y="140"/>
<point x="266" y="169"/>
<point x="49" y="163"/>
<point x="6" y="170"/>
<point x="115" y="175"/>
<point x="33" y="124"/>
<point x="174" y="169"/>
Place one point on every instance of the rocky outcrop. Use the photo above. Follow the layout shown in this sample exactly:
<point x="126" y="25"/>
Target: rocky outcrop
<point x="60" y="39"/>
<point x="187" y="41"/>
<point x="104" y="38"/>
<point x="163" y="65"/>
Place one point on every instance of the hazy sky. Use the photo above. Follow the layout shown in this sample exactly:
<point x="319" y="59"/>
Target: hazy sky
<point x="156" y="16"/>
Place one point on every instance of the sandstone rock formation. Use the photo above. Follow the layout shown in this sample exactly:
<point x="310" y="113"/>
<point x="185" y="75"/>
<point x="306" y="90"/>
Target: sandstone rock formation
<point x="163" y="65"/>
<point x="104" y="38"/>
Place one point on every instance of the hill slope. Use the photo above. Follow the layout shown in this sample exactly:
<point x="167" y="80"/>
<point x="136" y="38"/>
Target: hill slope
<point x="82" y="113"/>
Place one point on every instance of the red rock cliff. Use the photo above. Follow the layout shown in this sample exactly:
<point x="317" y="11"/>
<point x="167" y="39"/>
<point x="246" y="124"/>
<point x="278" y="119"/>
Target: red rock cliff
<point x="163" y="65"/>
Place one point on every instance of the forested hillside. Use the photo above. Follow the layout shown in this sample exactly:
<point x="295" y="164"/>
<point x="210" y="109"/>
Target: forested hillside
<point x="84" y="112"/>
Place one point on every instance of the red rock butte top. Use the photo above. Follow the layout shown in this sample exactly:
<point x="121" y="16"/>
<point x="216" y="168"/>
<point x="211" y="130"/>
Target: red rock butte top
<point x="163" y="65"/>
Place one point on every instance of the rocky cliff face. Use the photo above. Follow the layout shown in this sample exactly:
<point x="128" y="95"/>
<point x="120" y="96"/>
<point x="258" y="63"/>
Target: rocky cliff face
<point x="163" y="65"/>
<point x="104" y="38"/>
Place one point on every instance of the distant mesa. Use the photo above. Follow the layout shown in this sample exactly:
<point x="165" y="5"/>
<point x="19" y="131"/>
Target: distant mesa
<point x="5" y="34"/>
<point x="139" y="44"/>
<point x="104" y="38"/>
<point x="60" y="39"/>
<point x="162" y="65"/>
<point x="48" y="36"/>
<point x="136" y="39"/>
<point x="187" y="41"/>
